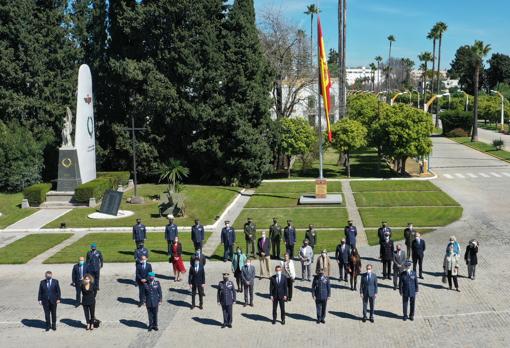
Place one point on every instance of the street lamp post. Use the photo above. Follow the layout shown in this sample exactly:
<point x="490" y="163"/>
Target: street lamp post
<point x="502" y="107"/>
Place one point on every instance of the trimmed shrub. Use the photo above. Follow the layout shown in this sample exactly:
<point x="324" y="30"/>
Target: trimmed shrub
<point x="95" y="188"/>
<point x="457" y="133"/>
<point x="498" y="144"/>
<point x="453" y="119"/>
<point x="120" y="178"/>
<point x="36" y="194"/>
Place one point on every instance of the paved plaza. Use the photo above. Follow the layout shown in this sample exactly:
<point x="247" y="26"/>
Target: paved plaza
<point x="478" y="316"/>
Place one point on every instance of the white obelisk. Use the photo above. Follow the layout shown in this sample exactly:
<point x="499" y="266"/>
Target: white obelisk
<point x="85" y="136"/>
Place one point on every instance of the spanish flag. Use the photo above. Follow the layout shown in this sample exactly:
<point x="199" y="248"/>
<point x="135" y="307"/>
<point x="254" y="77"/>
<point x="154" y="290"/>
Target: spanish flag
<point x="325" y="81"/>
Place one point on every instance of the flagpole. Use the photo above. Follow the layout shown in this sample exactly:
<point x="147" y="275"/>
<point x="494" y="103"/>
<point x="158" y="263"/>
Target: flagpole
<point x="319" y="114"/>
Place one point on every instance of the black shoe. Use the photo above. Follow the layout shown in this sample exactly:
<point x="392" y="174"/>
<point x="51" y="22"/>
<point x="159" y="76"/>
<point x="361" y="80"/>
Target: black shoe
<point x="323" y="321"/>
<point x="318" y="321"/>
<point x="364" y="319"/>
<point x="352" y="289"/>
<point x="47" y="329"/>
<point x="283" y="322"/>
<point x="251" y="304"/>
<point x="155" y="328"/>
<point x="405" y="318"/>
<point x="457" y="290"/>
<point x="289" y="299"/>
<point x="140" y="304"/>
<point x="371" y="320"/>
<point x="273" y="322"/>
<point x="223" y="326"/>
<point x="192" y="306"/>
<point x="244" y="305"/>
<point x="394" y="288"/>
<point x="150" y="329"/>
<point x="411" y="318"/>
<point x="229" y="326"/>
<point x="201" y="307"/>
<point x="421" y="277"/>
<point x="54" y="328"/>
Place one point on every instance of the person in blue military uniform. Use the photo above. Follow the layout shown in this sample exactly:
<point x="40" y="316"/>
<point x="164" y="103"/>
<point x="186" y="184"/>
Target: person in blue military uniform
<point x="153" y="298"/>
<point x="49" y="296"/>
<point x="94" y="263"/>
<point x="139" y="252"/>
<point x="197" y="234"/>
<point x="139" y="232"/>
<point x="142" y="276"/>
<point x="408" y="287"/>
<point x="381" y="231"/>
<point x="171" y="232"/>
<point x="350" y="233"/>
<point x="289" y="234"/>
<point x="368" y="292"/>
<point x="321" y="292"/>
<point x="228" y="238"/>
<point x="226" y="298"/>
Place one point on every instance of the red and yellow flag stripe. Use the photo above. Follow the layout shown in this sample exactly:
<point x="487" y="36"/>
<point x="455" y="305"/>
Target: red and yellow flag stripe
<point x="325" y="81"/>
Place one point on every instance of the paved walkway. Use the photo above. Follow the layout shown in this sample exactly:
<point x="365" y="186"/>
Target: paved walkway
<point x="487" y="136"/>
<point x="353" y="213"/>
<point x="38" y="219"/>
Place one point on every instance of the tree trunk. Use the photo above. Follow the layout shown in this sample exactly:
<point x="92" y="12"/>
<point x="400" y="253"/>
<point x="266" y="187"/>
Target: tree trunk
<point x="289" y="166"/>
<point x="474" y="132"/>
<point x="433" y="69"/>
<point x="403" y="166"/>
<point x="438" y="82"/>
<point x="347" y="159"/>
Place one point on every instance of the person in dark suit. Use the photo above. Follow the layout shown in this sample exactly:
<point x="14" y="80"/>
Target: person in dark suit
<point x="263" y="247"/>
<point x="321" y="292"/>
<point x="342" y="254"/>
<point x="399" y="260"/>
<point x="350" y="233"/>
<point x="198" y="255"/>
<point x="139" y="232"/>
<point x="196" y="282"/>
<point x="153" y="298"/>
<point x="278" y="291"/>
<point x="471" y="258"/>
<point x="289" y="234"/>
<point x="386" y="255"/>
<point x="250" y="235"/>
<point x="275" y="235"/>
<point x="368" y="292"/>
<point x="248" y="277"/>
<point x="409" y="235"/>
<point x="311" y="235"/>
<point x="49" y="296"/>
<point x="228" y="238"/>
<point x="89" y="300"/>
<point x="171" y="232"/>
<point x="408" y="288"/>
<point x="79" y="270"/>
<point x="382" y="230"/>
<point x="142" y="277"/>
<point x="94" y="263"/>
<point x="418" y="249"/>
<point x="197" y="234"/>
<point x="226" y="298"/>
<point x="139" y="252"/>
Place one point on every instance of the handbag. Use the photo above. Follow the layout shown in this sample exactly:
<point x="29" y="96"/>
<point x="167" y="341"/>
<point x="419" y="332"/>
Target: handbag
<point x="96" y="323"/>
<point x="444" y="279"/>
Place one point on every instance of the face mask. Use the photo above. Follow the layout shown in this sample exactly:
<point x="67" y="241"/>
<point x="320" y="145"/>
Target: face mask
<point x="279" y="273"/>
<point x="417" y="238"/>
<point x="227" y="225"/>
<point x="48" y="277"/>
<point x="350" y="223"/>
<point x="263" y="236"/>
<point x="151" y="279"/>
<point x="238" y="251"/>
<point x="369" y="271"/>
<point x="93" y="249"/>
<point x="248" y="264"/>
<point x="82" y="262"/>
<point x="197" y="263"/>
<point x="225" y="279"/>
<point x="143" y="261"/>
<point x="324" y="254"/>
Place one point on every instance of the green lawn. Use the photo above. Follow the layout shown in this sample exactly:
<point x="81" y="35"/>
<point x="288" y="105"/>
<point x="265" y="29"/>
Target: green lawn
<point x="406" y="198"/>
<point x="296" y="187"/>
<point x="119" y="247"/>
<point x="26" y="248"/>
<point x="10" y="207"/>
<point x="302" y="217"/>
<point x="483" y="147"/>
<point x="393" y="185"/>
<point x="396" y="235"/>
<point x="420" y="217"/>
<point x="364" y="164"/>
<point x="203" y="202"/>
<point x="325" y="240"/>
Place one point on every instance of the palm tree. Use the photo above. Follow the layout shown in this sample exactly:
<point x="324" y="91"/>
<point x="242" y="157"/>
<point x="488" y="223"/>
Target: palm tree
<point x="311" y="10"/>
<point x="373" y="68"/>
<point x="480" y="51"/>
<point x="173" y="172"/>
<point x="391" y="40"/>
<point x="379" y="60"/>
<point x="432" y="35"/>
<point x="440" y="29"/>
<point x="425" y="57"/>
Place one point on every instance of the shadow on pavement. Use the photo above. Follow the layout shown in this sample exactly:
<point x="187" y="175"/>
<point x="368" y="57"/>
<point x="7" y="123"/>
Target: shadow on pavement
<point x="126" y="281"/>
<point x="298" y="316"/>
<point x="35" y="323"/>
<point x="387" y="314"/>
<point x="344" y="315"/>
<point x="256" y="317"/>
<point x="303" y="288"/>
<point x="68" y="301"/>
<point x="207" y="321"/>
<point x="262" y="295"/>
<point x="179" y="303"/>
<point x="73" y="323"/>
<point x="127" y="300"/>
<point x="133" y="323"/>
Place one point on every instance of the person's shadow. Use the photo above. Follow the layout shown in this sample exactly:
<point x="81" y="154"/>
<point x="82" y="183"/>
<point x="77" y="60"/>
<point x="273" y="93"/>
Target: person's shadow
<point x="179" y="303"/>
<point x="303" y="288"/>
<point x="133" y="323"/>
<point x="73" y="323"/>
<point x="186" y="292"/>
<point x="344" y="315"/>
<point x="298" y="316"/>
<point x="433" y="286"/>
<point x="127" y="300"/>
<point x="207" y="321"/>
<point x="263" y="295"/>
<point x="256" y="317"/>
<point x="68" y="301"/>
<point x="387" y="314"/>
<point x="126" y="281"/>
<point x="35" y="323"/>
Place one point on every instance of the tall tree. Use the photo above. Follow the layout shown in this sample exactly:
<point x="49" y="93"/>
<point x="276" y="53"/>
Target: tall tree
<point x="499" y="70"/>
<point x="373" y="69"/>
<point x="441" y="27"/>
<point x="425" y="57"/>
<point x="379" y="60"/>
<point x="480" y="51"/>
<point x="462" y="68"/>
<point x="348" y="135"/>
<point x="391" y="39"/>
<point x="433" y="35"/>
<point x="311" y="10"/>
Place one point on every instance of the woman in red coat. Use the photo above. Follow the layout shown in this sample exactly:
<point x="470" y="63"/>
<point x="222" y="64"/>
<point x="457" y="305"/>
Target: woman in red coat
<point x="176" y="259"/>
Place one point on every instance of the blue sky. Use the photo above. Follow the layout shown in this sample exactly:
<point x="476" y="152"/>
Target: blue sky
<point x="371" y="21"/>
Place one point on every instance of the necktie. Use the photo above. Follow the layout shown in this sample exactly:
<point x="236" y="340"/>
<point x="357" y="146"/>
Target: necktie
<point x="143" y="266"/>
<point x="196" y="269"/>
<point x="81" y="272"/>
<point x="48" y="283"/>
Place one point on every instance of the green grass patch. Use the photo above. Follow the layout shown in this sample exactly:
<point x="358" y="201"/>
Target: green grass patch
<point x="202" y="202"/>
<point x="400" y="216"/>
<point x="119" y="247"/>
<point x="296" y="187"/>
<point x="302" y="217"/>
<point x="407" y="198"/>
<point x="26" y="248"/>
<point x="325" y="240"/>
<point x="396" y="235"/>
<point x="10" y="207"/>
<point x="393" y="185"/>
<point x="483" y="147"/>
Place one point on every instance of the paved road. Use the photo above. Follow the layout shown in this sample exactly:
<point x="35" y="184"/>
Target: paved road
<point x="488" y="136"/>
<point x="478" y="316"/>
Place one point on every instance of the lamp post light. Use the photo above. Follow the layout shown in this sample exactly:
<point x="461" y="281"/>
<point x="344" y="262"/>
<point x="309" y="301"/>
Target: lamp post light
<point x="502" y="107"/>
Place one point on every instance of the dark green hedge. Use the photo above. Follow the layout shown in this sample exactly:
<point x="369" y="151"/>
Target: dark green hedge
<point x="120" y="178"/>
<point x="453" y="119"/>
<point x="95" y="188"/>
<point x="36" y="194"/>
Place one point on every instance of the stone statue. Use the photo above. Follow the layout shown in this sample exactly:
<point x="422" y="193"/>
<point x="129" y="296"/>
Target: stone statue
<point x="67" y="130"/>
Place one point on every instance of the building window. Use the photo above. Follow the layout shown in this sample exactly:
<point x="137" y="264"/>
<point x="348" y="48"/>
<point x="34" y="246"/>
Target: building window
<point x="311" y="119"/>
<point x="312" y="102"/>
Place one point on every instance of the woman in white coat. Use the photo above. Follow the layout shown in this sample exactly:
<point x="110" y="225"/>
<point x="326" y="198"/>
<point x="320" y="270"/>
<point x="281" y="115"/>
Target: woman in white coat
<point x="290" y="272"/>
<point x="451" y="267"/>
